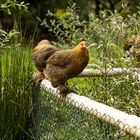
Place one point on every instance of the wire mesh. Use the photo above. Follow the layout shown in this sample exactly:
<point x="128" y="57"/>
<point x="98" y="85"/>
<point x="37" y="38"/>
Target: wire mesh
<point x="58" y="120"/>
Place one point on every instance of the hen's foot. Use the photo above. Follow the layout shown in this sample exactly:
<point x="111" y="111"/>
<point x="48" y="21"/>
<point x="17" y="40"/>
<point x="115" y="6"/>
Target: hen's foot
<point x="65" y="90"/>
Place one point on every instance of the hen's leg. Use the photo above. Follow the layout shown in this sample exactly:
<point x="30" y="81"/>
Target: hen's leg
<point x="64" y="89"/>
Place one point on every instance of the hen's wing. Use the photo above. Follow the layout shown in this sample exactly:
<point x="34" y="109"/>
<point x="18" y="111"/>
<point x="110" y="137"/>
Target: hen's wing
<point x="57" y="67"/>
<point x="60" y="58"/>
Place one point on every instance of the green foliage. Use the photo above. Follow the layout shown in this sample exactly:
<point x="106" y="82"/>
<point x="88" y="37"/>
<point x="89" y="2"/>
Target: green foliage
<point x="138" y="101"/>
<point x="10" y="5"/>
<point x="105" y="33"/>
<point x="68" y="28"/>
<point x="5" y="37"/>
<point x="39" y="9"/>
<point x="15" y="93"/>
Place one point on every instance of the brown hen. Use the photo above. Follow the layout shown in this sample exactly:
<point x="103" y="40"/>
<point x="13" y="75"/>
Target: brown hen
<point x="133" y="46"/>
<point x="58" y="66"/>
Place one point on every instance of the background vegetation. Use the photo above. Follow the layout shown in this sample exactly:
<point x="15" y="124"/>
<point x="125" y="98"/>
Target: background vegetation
<point x="13" y="13"/>
<point x="105" y="25"/>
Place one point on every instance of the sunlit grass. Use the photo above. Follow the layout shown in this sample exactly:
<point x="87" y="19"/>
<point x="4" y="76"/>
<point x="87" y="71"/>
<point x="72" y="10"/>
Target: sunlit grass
<point x="15" y="92"/>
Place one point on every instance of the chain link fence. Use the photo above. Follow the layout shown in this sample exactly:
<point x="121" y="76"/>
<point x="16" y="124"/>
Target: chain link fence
<point x="54" y="119"/>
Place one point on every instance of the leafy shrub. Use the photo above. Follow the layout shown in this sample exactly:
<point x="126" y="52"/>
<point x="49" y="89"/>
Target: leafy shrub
<point x="105" y="33"/>
<point x="11" y="7"/>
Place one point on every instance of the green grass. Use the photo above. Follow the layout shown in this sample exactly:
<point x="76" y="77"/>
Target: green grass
<point x="15" y="92"/>
<point x="118" y="92"/>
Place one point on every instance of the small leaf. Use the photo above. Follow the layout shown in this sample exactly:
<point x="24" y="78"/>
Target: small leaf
<point x="8" y="11"/>
<point x="138" y="101"/>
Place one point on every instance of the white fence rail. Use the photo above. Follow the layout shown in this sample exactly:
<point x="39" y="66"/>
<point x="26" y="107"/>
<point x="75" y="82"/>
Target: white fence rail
<point x="108" y="72"/>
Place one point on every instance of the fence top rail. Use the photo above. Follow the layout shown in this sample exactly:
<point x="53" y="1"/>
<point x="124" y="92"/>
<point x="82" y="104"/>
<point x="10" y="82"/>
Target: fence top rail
<point x="108" y="72"/>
